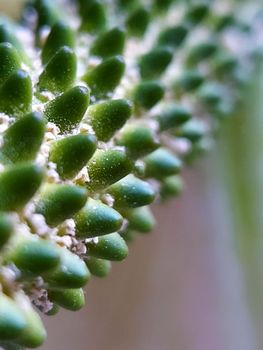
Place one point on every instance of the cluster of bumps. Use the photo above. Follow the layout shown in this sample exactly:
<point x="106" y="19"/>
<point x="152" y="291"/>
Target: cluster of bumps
<point x="101" y="105"/>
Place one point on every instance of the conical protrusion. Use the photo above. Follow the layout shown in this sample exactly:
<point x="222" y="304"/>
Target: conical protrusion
<point x="9" y="61"/>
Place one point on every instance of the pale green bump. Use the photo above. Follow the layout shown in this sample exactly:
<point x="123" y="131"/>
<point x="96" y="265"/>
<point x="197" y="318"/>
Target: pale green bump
<point x="18" y="184"/>
<point x="109" y="116"/>
<point x="16" y="94"/>
<point x="59" y="202"/>
<point x="9" y="61"/>
<point x="71" y="272"/>
<point x="98" y="267"/>
<point x="60" y="72"/>
<point x="162" y="163"/>
<point x="22" y="140"/>
<point x="68" y="109"/>
<point x="110" y="247"/>
<point x="72" y="153"/>
<point x="61" y="35"/>
<point x="138" y="139"/>
<point x="105" y="77"/>
<point x="107" y="167"/>
<point x="109" y="43"/>
<point x="70" y="299"/>
<point x="131" y="192"/>
<point x="96" y="219"/>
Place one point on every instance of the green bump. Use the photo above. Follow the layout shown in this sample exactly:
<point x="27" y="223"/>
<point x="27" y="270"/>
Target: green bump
<point x="139" y="140"/>
<point x="138" y="20"/>
<point x="7" y="35"/>
<point x="33" y="255"/>
<point x="18" y="184"/>
<point x="193" y="130"/>
<point x="173" y="36"/>
<point x="131" y="192"/>
<point x="105" y="77"/>
<point x="171" y="187"/>
<point x="98" y="267"/>
<point x="211" y="94"/>
<point x="6" y="229"/>
<point x="127" y="4"/>
<point x="201" y="51"/>
<point x="224" y="64"/>
<point x="190" y="80"/>
<point x="197" y="13"/>
<point x="128" y="235"/>
<point x="141" y="219"/>
<point x="162" y="5"/>
<point x="9" y="61"/>
<point x="54" y="311"/>
<point x="172" y="115"/>
<point x="72" y="153"/>
<point x="107" y="167"/>
<point x="110" y="43"/>
<point x="110" y="247"/>
<point x="108" y="117"/>
<point x="60" y="71"/>
<point x="93" y="15"/>
<point x="148" y="93"/>
<point x="162" y="163"/>
<point x="34" y="334"/>
<point x="59" y="202"/>
<point x="22" y="140"/>
<point x="46" y="13"/>
<point x="155" y="62"/>
<point x="72" y="272"/>
<point x="68" y="109"/>
<point x="61" y="35"/>
<point x="96" y="219"/>
<point x="16" y="94"/>
<point x="69" y="299"/>
<point x="12" y="321"/>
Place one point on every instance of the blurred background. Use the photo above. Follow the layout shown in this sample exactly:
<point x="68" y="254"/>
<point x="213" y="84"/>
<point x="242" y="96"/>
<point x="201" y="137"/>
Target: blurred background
<point x="196" y="282"/>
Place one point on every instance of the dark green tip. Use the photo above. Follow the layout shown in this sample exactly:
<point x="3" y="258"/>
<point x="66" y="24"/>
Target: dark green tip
<point x="60" y="71"/>
<point x="61" y="35"/>
<point x="18" y="184"/>
<point x="107" y="167"/>
<point x="110" y="247"/>
<point x="131" y="192"/>
<point x="110" y="43"/>
<point x="68" y="109"/>
<point x="72" y="153"/>
<point x="69" y="299"/>
<point x="96" y="219"/>
<point x="154" y="63"/>
<point x="105" y="77"/>
<point x="137" y="21"/>
<point x="148" y="93"/>
<point x="16" y="94"/>
<point x="108" y="117"/>
<point x="162" y="163"/>
<point x="173" y="36"/>
<point x="22" y="140"/>
<point x="59" y="202"/>
<point x="9" y="61"/>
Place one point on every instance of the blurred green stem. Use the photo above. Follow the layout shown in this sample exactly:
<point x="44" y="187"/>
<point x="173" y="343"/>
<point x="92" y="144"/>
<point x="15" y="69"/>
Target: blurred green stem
<point x="242" y="155"/>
